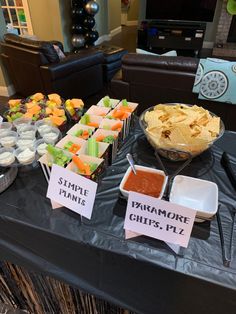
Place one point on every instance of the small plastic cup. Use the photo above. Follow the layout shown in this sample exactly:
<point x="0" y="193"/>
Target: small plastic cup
<point x="8" y="138"/>
<point x="51" y="136"/>
<point x="27" y="131"/>
<point x="24" y="143"/>
<point x="40" y="147"/>
<point x="25" y="156"/>
<point x="43" y="126"/>
<point x="5" y="126"/>
<point x="7" y="156"/>
<point x="21" y="122"/>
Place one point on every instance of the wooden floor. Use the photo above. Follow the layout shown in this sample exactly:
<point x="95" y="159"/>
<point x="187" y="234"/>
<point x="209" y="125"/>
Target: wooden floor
<point x="127" y="38"/>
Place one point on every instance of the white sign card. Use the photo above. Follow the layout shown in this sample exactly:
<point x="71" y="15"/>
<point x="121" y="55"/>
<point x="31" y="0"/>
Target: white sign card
<point x="72" y="191"/>
<point x="159" y="219"/>
<point x="1" y="119"/>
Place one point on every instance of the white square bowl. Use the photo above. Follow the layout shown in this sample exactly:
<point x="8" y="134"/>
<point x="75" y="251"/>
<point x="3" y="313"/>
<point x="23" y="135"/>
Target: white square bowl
<point x="198" y="194"/>
<point x="147" y="169"/>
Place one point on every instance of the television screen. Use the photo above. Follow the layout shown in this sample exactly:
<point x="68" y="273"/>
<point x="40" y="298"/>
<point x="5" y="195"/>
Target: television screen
<point x="188" y="10"/>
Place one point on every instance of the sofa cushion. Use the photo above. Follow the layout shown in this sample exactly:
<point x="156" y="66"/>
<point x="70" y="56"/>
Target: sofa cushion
<point x="171" y="53"/>
<point x="44" y="47"/>
<point x="216" y="80"/>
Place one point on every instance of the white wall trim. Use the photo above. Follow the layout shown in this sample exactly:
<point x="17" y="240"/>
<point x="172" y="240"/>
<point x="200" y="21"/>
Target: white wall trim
<point x="101" y="39"/>
<point x="115" y="31"/>
<point x="131" y="23"/>
<point x="7" y="91"/>
<point x="208" y="44"/>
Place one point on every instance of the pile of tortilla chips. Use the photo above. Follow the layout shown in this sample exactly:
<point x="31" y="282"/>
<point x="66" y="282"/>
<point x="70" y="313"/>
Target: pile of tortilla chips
<point x="181" y="127"/>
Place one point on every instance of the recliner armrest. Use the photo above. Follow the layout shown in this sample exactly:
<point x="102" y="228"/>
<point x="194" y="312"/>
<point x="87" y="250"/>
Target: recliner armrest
<point x="72" y="63"/>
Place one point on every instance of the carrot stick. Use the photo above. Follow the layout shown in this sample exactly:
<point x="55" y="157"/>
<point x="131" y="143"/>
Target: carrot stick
<point x="125" y="116"/>
<point x="94" y="124"/>
<point x="117" y="114"/>
<point x="74" y="148"/>
<point x="87" y="170"/>
<point x="79" y="163"/>
<point x="126" y="109"/>
<point x="100" y="138"/>
<point x="116" y="126"/>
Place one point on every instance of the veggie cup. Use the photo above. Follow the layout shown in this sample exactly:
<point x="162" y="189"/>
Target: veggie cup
<point x="97" y="149"/>
<point x="111" y="138"/>
<point x="90" y="167"/>
<point x="125" y="116"/>
<point x="108" y="102"/>
<point x="129" y="107"/>
<point x="90" y="120"/>
<point x="54" y="155"/>
<point x="112" y="125"/>
<point x="71" y="143"/>
<point x="98" y="111"/>
<point x="81" y="131"/>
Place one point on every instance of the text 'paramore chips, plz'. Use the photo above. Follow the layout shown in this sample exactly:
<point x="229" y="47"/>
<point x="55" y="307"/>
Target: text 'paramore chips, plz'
<point x="182" y="127"/>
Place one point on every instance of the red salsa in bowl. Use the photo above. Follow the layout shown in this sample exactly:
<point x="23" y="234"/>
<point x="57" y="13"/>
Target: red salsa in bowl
<point x="150" y="182"/>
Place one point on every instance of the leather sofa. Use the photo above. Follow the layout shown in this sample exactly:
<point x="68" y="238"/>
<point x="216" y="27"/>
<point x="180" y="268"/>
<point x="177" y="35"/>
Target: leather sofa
<point x="34" y="66"/>
<point x="150" y="80"/>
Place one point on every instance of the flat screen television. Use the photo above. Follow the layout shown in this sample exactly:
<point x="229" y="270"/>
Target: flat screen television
<point x="181" y="10"/>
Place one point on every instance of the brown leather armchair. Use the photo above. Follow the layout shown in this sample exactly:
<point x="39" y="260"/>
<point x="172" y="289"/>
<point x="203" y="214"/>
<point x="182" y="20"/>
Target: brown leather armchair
<point x="34" y="66"/>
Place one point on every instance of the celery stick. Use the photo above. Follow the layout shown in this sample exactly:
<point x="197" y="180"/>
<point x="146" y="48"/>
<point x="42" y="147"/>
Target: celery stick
<point x="125" y="103"/>
<point x="92" y="166"/>
<point x="106" y="101"/>
<point x="78" y="133"/>
<point x="92" y="147"/>
<point x="85" y="119"/>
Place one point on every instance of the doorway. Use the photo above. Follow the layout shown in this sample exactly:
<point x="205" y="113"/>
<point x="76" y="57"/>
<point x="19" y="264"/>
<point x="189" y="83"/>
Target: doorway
<point x="232" y="31"/>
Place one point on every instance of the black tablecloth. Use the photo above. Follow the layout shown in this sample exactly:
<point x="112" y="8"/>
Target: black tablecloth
<point x="141" y="274"/>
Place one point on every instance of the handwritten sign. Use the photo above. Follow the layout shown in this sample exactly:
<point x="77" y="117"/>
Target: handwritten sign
<point x="72" y="191"/>
<point x="1" y="120"/>
<point x="159" y="219"/>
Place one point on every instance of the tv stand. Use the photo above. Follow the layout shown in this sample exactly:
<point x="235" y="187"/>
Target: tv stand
<point x="168" y="35"/>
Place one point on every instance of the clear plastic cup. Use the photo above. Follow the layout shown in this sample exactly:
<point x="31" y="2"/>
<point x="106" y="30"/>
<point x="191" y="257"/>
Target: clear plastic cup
<point x="8" y="138"/>
<point x="7" y="156"/>
<point x="24" y="143"/>
<point x="21" y="122"/>
<point x="25" y="156"/>
<point x="51" y="136"/>
<point x="40" y="146"/>
<point x="27" y="131"/>
<point x="5" y="126"/>
<point x="43" y="126"/>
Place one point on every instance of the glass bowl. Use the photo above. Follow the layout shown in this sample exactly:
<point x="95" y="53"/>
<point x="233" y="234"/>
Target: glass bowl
<point x="177" y="151"/>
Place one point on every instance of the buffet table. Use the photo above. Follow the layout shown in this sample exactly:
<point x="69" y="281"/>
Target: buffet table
<point x="141" y="274"/>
